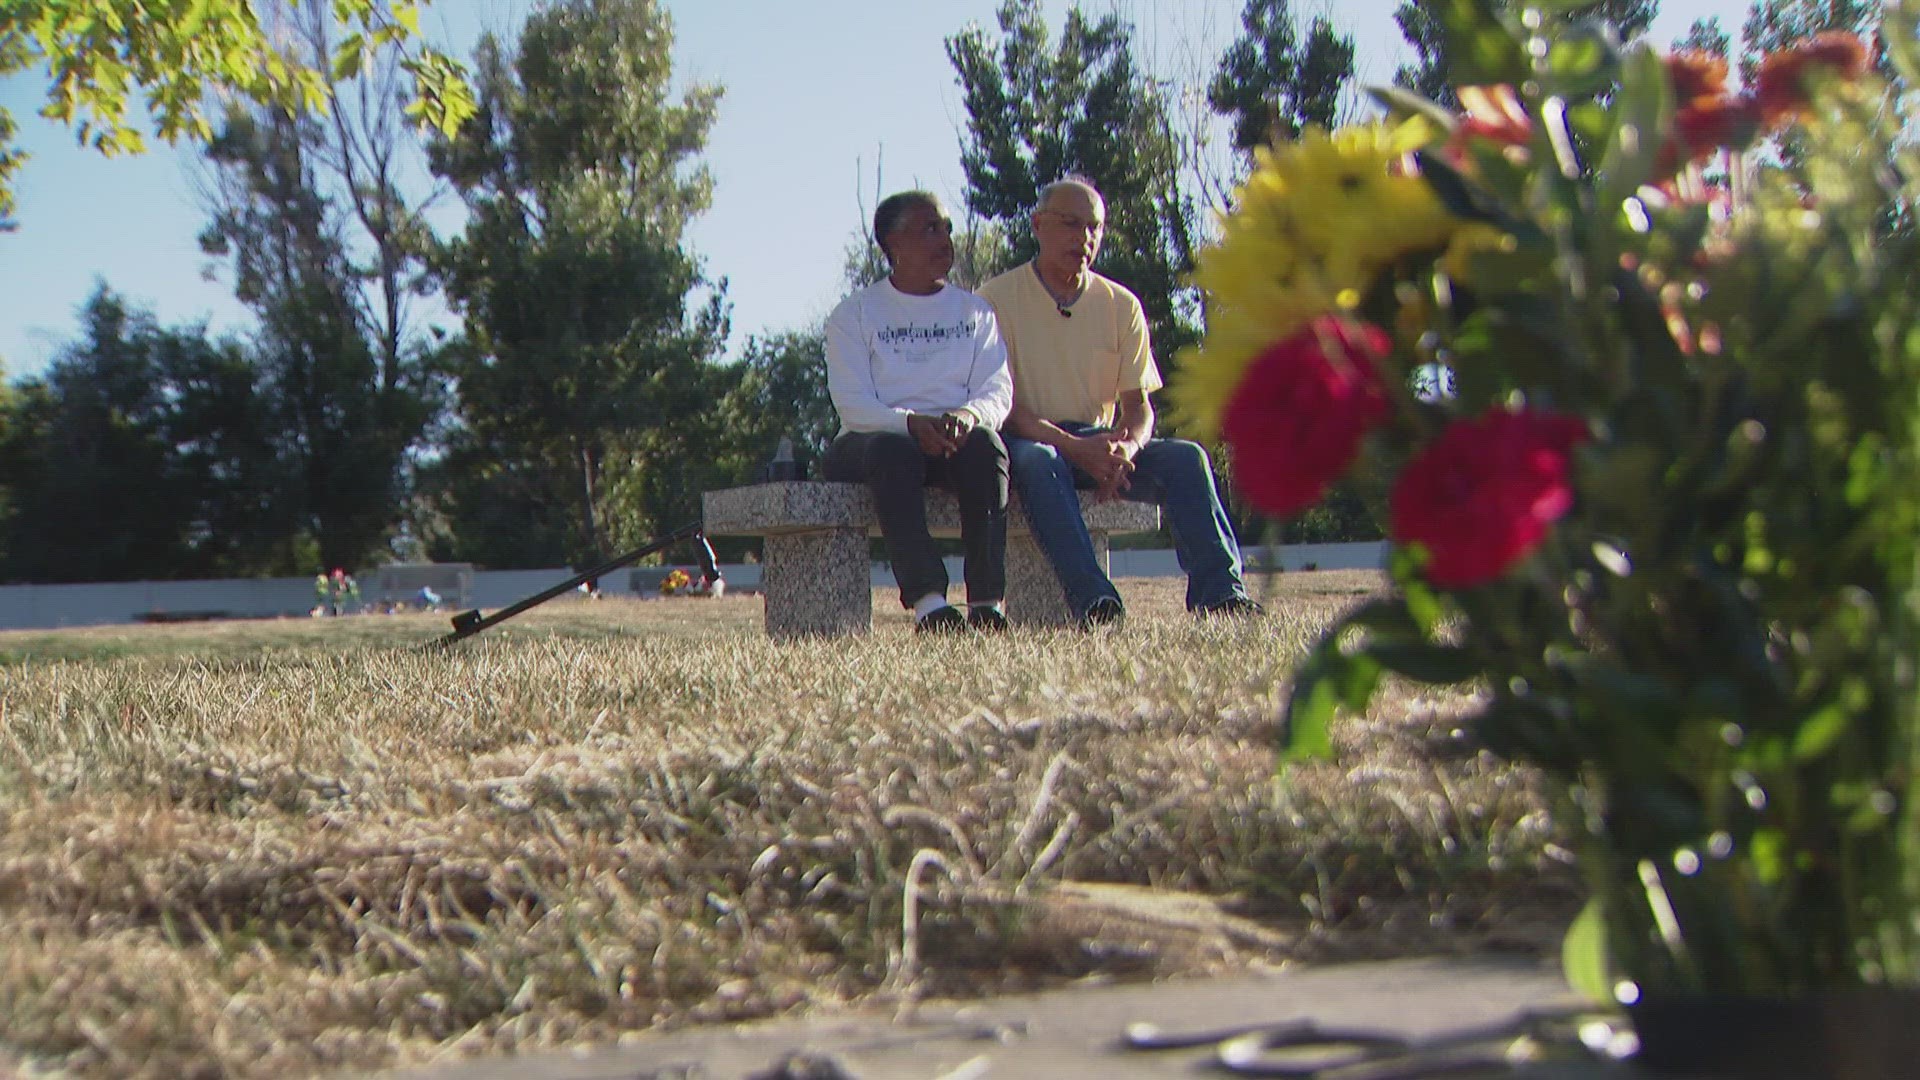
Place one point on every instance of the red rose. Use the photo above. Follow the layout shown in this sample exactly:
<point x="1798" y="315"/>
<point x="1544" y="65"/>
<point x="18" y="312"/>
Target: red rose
<point x="1483" y="494"/>
<point x="1780" y="85"/>
<point x="1296" y="420"/>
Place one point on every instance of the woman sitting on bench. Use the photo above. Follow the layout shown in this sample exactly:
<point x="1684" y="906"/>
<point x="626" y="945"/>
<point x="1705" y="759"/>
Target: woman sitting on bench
<point x="919" y="376"/>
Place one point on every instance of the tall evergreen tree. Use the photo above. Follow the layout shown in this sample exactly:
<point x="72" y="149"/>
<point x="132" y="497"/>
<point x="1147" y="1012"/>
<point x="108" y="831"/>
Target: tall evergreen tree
<point x="588" y="355"/>
<point x="1707" y="36"/>
<point x="142" y="454"/>
<point x="1270" y="84"/>
<point x="1040" y="109"/>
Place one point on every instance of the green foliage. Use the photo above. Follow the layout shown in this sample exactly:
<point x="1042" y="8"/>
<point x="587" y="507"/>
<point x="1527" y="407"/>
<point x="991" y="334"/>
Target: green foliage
<point x="1424" y="24"/>
<point x="99" y="55"/>
<point x="1038" y="110"/>
<point x="347" y="405"/>
<point x="586" y="375"/>
<point x="1712" y="651"/>
<point x="144" y="453"/>
<point x="1707" y="36"/>
<point x="1271" y="84"/>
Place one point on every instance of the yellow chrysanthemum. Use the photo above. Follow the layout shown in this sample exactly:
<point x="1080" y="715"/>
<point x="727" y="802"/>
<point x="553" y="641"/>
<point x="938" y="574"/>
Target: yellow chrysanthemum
<point x="1311" y="228"/>
<point x="1350" y="199"/>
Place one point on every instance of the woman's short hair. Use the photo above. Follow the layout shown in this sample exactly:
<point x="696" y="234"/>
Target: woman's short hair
<point x="892" y="208"/>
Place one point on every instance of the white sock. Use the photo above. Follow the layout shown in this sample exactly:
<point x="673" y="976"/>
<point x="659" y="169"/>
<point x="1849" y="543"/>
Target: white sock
<point x="929" y="604"/>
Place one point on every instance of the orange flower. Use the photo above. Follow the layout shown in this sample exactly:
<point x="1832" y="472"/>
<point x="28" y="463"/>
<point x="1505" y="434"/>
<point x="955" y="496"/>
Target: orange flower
<point x="1696" y="75"/>
<point x="1780" y="86"/>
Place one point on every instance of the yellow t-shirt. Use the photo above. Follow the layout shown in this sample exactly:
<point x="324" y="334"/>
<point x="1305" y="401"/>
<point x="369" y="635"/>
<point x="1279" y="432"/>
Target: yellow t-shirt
<point x="1072" y="367"/>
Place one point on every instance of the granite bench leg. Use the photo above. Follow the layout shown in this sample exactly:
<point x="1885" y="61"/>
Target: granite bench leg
<point x="1034" y="596"/>
<point x="818" y="583"/>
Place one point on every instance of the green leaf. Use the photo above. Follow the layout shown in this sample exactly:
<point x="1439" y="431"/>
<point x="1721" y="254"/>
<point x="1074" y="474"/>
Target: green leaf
<point x="348" y="58"/>
<point x="407" y="15"/>
<point x="1400" y="102"/>
<point x="1437" y="665"/>
<point x="1329" y="679"/>
<point x="1818" y="733"/>
<point x="1583" y="955"/>
<point x="1482" y="49"/>
<point x="1642" y="113"/>
<point x="1582" y="60"/>
<point x="1769" y="847"/>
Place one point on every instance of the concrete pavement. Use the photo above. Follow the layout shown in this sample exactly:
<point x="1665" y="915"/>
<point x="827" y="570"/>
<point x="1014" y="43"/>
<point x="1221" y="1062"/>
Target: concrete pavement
<point x="1073" y="1033"/>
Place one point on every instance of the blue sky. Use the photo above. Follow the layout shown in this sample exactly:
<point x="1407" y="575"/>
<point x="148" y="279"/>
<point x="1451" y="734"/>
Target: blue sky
<point x="816" y="94"/>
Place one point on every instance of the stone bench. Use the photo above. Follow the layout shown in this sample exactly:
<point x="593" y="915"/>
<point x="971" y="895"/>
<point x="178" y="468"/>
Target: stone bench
<point x="817" y="573"/>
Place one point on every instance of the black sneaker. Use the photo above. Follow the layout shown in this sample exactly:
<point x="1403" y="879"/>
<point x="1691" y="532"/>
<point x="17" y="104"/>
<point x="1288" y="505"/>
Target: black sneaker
<point x="1233" y="607"/>
<point x="987" y="620"/>
<point x="1103" y="612"/>
<point x="944" y="620"/>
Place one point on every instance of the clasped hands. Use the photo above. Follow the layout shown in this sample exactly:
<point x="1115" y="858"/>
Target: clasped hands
<point x="1107" y="456"/>
<point x="943" y="435"/>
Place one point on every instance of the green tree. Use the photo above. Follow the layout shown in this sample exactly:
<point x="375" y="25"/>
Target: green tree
<point x="100" y="56"/>
<point x="1707" y="36"/>
<point x="588" y="362"/>
<point x="329" y="249"/>
<point x="345" y="419"/>
<point x="1270" y="84"/>
<point x="1422" y="25"/>
<point x="142" y="454"/>
<point x="1038" y="110"/>
<point x="779" y="391"/>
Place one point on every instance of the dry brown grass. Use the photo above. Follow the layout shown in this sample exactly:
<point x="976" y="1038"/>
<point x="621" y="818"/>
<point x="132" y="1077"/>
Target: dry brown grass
<point x="248" y="850"/>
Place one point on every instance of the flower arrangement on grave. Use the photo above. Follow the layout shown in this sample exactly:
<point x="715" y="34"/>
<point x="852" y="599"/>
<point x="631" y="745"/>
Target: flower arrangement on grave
<point x="1635" y="356"/>
<point x="676" y="581"/>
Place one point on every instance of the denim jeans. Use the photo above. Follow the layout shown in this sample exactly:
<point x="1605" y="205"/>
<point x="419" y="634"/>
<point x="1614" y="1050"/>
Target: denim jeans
<point x="1173" y="474"/>
<point x="894" y="469"/>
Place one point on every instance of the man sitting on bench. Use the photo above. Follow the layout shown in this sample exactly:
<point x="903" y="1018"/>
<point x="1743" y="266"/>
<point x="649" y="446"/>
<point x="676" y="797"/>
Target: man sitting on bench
<point x="919" y="376"/>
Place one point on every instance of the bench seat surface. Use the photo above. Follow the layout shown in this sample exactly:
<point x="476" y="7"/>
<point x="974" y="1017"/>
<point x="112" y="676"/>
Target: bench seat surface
<point x="807" y="505"/>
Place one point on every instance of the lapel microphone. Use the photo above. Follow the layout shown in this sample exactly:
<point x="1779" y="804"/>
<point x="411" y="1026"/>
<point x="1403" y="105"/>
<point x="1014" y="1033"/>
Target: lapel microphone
<point x="1062" y="309"/>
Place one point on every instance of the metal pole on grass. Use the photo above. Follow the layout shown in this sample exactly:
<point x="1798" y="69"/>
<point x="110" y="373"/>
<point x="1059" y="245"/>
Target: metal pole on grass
<point x="468" y="623"/>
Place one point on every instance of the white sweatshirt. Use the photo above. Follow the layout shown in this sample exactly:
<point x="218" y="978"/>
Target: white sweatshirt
<point x="891" y="354"/>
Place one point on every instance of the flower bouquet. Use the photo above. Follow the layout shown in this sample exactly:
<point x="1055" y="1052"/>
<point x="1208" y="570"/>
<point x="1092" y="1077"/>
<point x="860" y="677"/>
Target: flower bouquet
<point x="677" y="581"/>
<point x="1634" y="356"/>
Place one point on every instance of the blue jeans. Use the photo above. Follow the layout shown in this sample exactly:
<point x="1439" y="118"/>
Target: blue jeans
<point x="1173" y="474"/>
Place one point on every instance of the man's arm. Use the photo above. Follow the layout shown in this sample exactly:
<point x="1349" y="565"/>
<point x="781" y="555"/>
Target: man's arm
<point x="1133" y="425"/>
<point x="1094" y="455"/>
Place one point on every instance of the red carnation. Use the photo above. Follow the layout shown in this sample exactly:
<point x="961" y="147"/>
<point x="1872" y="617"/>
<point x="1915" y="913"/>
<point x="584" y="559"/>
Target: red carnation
<point x="1297" y="418"/>
<point x="1780" y="85"/>
<point x="1482" y="495"/>
<point x="1711" y="123"/>
<point x="1696" y="74"/>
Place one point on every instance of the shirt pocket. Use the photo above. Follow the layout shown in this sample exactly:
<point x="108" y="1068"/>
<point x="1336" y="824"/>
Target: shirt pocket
<point x="1105" y="381"/>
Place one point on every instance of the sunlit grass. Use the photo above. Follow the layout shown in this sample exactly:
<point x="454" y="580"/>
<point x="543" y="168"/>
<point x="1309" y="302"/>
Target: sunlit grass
<point x="290" y="847"/>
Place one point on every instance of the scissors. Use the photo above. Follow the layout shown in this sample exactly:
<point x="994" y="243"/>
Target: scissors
<point x="1304" y="1050"/>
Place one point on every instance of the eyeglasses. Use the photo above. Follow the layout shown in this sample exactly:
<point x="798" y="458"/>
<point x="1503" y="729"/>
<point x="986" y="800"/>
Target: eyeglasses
<point x="1078" y="224"/>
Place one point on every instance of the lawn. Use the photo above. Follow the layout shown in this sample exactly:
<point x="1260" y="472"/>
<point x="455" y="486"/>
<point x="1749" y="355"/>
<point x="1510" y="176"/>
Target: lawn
<point x="294" y="847"/>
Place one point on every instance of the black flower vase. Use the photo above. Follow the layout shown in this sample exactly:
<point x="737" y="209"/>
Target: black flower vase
<point x="1865" y="1034"/>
